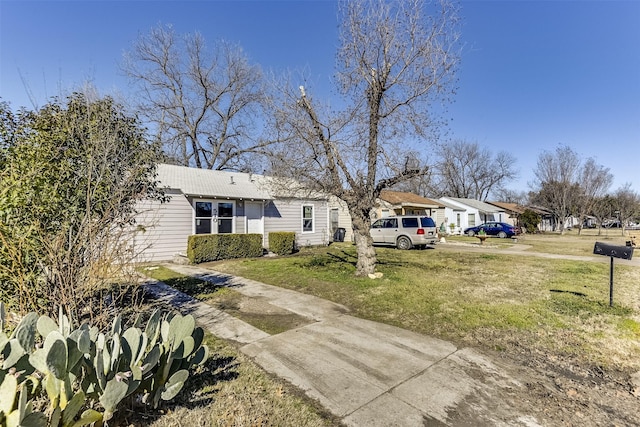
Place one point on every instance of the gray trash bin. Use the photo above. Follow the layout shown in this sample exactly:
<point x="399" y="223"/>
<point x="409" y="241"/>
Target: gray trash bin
<point x="338" y="236"/>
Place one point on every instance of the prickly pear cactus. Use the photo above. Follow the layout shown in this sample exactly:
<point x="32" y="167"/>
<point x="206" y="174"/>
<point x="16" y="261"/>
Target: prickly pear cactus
<point x="86" y="374"/>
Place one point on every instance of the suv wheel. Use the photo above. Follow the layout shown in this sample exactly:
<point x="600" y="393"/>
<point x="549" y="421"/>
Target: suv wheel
<point x="404" y="243"/>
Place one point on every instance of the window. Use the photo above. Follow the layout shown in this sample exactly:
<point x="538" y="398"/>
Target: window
<point x="307" y="219"/>
<point x="391" y="223"/>
<point x="378" y="224"/>
<point x="213" y="217"/>
<point x="426" y="221"/>
<point x="204" y="214"/>
<point x="410" y="222"/>
<point x="334" y="217"/>
<point x="225" y="217"/>
<point x="472" y="220"/>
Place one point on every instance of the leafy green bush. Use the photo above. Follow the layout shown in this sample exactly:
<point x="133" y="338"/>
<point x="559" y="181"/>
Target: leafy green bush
<point x="83" y="375"/>
<point x="530" y="220"/>
<point x="212" y="247"/>
<point x="72" y="174"/>
<point x="282" y="242"/>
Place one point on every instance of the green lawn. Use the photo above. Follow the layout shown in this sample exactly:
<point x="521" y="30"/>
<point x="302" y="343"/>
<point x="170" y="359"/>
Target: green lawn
<point x="508" y="303"/>
<point x="493" y="300"/>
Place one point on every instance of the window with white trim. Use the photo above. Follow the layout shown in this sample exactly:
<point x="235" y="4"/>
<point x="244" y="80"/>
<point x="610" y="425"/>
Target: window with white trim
<point x="472" y="220"/>
<point x="307" y="219"/>
<point x="225" y="217"/>
<point x="204" y="214"/>
<point x="213" y="217"/>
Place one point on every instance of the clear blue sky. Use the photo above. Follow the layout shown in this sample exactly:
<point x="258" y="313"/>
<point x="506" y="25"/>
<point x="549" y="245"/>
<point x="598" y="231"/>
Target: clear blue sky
<point x="534" y="74"/>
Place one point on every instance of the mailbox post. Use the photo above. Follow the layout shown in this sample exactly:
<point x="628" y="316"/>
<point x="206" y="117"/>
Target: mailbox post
<point x="612" y="251"/>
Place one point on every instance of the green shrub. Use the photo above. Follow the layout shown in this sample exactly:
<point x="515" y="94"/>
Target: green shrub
<point x="212" y="247"/>
<point x="530" y="220"/>
<point x="83" y="375"/>
<point x="282" y="242"/>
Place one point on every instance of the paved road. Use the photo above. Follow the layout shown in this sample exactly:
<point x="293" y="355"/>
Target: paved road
<point x="365" y="373"/>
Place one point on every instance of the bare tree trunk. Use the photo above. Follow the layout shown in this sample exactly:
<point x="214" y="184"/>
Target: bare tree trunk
<point x="395" y="59"/>
<point x="364" y="245"/>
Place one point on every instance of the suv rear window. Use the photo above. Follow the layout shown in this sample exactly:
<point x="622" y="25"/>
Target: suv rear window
<point x="410" y="222"/>
<point x="427" y="222"/>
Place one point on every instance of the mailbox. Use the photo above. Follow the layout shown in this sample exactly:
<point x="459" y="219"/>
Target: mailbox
<point x="613" y="251"/>
<point x="624" y="252"/>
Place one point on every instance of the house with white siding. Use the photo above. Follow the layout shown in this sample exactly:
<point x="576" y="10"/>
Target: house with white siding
<point x="452" y="220"/>
<point x="339" y="217"/>
<point x="203" y="201"/>
<point x="471" y="212"/>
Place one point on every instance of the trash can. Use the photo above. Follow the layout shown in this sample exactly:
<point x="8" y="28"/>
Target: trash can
<point x="338" y="236"/>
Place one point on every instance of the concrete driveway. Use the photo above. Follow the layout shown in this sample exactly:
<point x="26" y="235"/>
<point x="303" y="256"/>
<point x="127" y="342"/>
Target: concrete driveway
<point x="366" y="373"/>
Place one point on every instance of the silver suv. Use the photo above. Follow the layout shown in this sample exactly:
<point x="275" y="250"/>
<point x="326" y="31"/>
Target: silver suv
<point x="404" y="232"/>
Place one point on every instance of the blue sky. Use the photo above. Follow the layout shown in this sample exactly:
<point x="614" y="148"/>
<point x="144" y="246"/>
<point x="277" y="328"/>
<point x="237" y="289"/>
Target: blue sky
<point x="534" y="74"/>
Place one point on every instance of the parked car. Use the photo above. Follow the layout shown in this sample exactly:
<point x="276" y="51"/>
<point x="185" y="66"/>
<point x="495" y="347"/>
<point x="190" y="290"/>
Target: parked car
<point x="404" y="232"/>
<point x="499" y="229"/>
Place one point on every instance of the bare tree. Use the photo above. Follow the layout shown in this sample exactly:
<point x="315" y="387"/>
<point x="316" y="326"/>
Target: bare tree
<point x="395" y="59"/>
<point x="557" y="176"/>
<point x="568" y="186"/>
<point x="511" y="196"/>
<point x="464" y="169"/>
<point x="602" y="209"/>
<point x="595" y="180"/>
<point x="626" y="203"/>
<point x="202" y="102"/>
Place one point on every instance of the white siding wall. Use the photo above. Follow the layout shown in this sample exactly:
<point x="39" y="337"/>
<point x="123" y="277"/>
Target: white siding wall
<point x="344" y="218"/>
<point x="164" y="228"/>
<point x="286" y="215"/>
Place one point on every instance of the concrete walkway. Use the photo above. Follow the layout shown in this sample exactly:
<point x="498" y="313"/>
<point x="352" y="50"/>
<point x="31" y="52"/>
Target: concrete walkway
<point x="365" y="373"/>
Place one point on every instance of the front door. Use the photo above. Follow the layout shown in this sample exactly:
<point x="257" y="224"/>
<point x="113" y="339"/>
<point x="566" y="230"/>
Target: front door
<point x="254" y="217"/>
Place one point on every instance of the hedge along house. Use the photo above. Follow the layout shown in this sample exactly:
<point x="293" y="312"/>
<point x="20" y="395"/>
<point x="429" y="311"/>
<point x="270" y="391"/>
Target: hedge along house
<point x="203" y="201"/>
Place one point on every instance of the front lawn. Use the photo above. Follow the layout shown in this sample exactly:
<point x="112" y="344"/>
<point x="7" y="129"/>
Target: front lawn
<point x="497" y="301"/>
<point x="569" y="243"/>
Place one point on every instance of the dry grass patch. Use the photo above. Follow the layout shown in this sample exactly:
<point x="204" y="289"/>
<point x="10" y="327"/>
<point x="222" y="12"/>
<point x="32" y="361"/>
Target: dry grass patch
<point x="233" y="391"/>
<point x="500" y="301"/>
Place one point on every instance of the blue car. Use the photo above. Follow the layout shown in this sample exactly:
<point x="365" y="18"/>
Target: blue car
<point x="499" y="229"/>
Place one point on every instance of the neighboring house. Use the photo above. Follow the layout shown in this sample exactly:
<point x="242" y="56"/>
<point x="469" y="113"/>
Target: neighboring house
<point x="547" y="222"/>
<point x="475" y="212"/>
<point x="453" y="215"/>
<point x="402" y="203"/>
<point x="512" y="211"/>
<point x="390" y="203"/>
<point x="210" y="202"/>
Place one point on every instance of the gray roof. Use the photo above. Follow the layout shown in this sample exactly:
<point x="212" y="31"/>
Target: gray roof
<point x="449" y="205"/>
<point x="213" y="183"/>
<point x="477" y="204"/>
